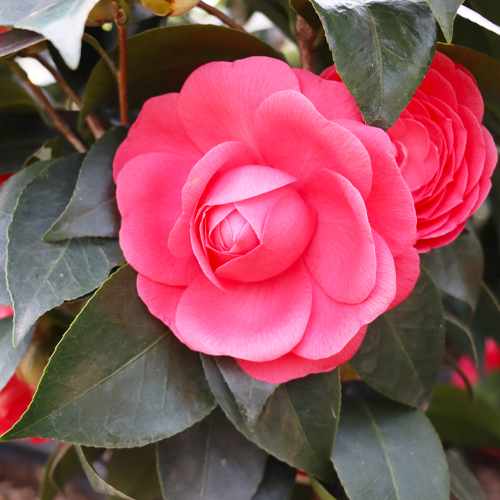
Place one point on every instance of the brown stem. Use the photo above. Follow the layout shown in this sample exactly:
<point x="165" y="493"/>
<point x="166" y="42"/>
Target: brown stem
<point x="122" y="71"/>
<point x="92" y="120"/>
<point x="60" y="124"/>
<point x="305" y="40"/>
<point x="220" y="15"/>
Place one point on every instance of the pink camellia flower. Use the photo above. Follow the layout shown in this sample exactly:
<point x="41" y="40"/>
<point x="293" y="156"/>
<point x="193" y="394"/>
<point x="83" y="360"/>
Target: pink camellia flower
<point x="445" y="155"/>
<point x="266" y="220"/>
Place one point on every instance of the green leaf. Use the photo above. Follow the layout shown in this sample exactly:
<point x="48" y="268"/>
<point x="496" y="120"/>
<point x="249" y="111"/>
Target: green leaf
<point x="382" y="51"/>
<point x="464" y="485"/>
<point x="387" y="450"/>
<point x="92" y="210"/>
<point x="277" y="11"/>
<point x="460" y="336"/>
<point x="489" y="389"/>
<point x="485" y="69"/>
<point x="487" y="315"/>
<point x="134" y="471"/>
<point x="210" y="460"/>
<point x="15" y="40"/>
<point x="305" y="9"/>
<point x="457" y="268"/>
<point x="445" y="12"/>
<point x="10" y="356"/>
<point x="320" y="490"/>
<point x="21" y="136"/>
<point x="43" y="275"/>
<point x="14" y="98"/>
<point x="250" y="394"/>
<point x="60" y="21"/>
<point x="403" y="349"/>
<point x="278" y="482"/>
<point x="460" y="422"/>
<point x="160" y="60"/>
<point x="9" y="194"/>
<point x="299" y="420"/>
<point x="118" y="378"/>
<point x="95" y="480"/>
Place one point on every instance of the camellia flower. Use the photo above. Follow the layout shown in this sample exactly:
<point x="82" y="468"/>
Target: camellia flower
<point x="445" y="155"/>
<point x="266" y="220"/>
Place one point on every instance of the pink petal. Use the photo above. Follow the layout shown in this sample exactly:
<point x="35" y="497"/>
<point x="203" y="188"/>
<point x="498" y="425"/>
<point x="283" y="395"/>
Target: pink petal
<point x="6" y="311"/>
<point x="149" y="199"/>
<point x="221" y="158"/>
<point x="467" y="91"/>
<point x="161" y="300"/>
<point x="245" y="182"/>
<point x="287" y="232"/>
<point x="436" y="85"/>
<point x="407" y="266"/>
<point x="254" y="321"/>
<point x="341" y="255"/>
<point x="331" y="74"/>
<point x="157" y="129"/>
<point x="291" y="366"/>
<point x="390" y="206"/>
<point x="333" y="324"/>
<point x="330" y="98"/>
<point x="293" y="136"/>
<point x="219" y="100"/>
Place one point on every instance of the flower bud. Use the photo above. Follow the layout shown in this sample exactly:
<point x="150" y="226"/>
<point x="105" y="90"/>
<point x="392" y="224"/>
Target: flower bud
<point x="169" y="8"/>
<point x="102" y="13"/>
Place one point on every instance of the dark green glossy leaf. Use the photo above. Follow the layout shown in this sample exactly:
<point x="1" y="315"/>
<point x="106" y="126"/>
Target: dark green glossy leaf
<point x="445" y="12"/>
<point x="118" y="378"/>
<point x="250" y="394"/>
<point x="134" y="471"/>
<point x="485" y="69"/>
<point x="9" y="194"/>
<point x="48" y="490"/>
<point x="10" y="357"/>
<point x="14" y="98"/>
<point x="382" y="51"/>
<point x="95" y="480"/>
<point x="464" y="485"/>
<point x="403" y="349"/>
<point x="487" y="316"/>
<point x="210" y="460"/>
<point x="152" y="72"/>
<point x="462" y="423"/>
<point x="298" y="422"/>
<point x="387" y="450"/>
<point x="92" y="210"/>
<point x="58" y="271"/>
<point x="305" y="9"/>
<point x="21" y="136"/>
<point x="278" y="482"/>
<point x="60" y="21"/>
<point x="489" y="389"/>
<point x="457" y="268"/>
<point x="15" y="40"/>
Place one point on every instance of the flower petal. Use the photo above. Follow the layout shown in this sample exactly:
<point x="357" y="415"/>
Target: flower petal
<point x="407" y="266"/>
<point x="341" y="255"/>
<point x="219" y="100"/>
<point x="149" y="199"/>
<point x="254" y="321"/>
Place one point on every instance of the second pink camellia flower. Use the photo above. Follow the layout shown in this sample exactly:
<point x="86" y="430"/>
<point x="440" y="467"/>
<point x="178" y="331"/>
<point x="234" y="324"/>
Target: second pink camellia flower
<point x="266" y="220"/>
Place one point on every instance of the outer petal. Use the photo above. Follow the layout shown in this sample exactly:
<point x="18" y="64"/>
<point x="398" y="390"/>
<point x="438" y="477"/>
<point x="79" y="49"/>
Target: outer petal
<point x="149" y="199"/>
<point x="390" y="205"/>
<point x="333" y="324"/>
<point x="407" y="266"/>
<point x="254" y="321"/>
<point x="218" y="101"/>
<point x="330" y="98"/>
<point x="157" y="129"/>
<point x="291" y="366"/>
<point x="220" y="159"/>
<point x="341" y="256"/>
<point x="292" y="136"/>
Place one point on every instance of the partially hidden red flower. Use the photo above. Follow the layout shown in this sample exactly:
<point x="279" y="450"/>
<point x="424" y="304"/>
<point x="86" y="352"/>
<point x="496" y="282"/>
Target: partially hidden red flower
<point x="445" y="155"/>
<point x="467" y="365"/>
<point x="266" y="220"/>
